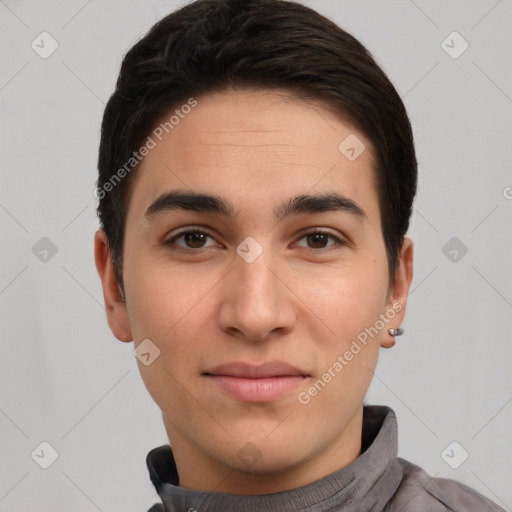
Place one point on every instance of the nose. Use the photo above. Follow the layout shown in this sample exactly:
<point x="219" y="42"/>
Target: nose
<point x="256" y="301"/>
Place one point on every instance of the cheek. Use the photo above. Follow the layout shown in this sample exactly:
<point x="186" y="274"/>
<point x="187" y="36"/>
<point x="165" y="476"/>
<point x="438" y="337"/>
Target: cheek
<point x="162" y="297"/>
<point x="171" y="310"/>
<point x="347" y="355"/>
<point x="346" y="305"/>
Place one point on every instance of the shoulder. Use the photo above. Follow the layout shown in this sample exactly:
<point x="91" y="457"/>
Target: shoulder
<point x="419" y="491"/>
<point x="157" y="507"/>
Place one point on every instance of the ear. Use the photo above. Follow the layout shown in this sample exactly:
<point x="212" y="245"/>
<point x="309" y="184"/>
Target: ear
<point x="115" y="307"/>
<point x="397" y="295"/>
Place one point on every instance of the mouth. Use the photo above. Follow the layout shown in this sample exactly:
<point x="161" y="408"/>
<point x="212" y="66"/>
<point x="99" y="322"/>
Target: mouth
<point x="256" y="383"/>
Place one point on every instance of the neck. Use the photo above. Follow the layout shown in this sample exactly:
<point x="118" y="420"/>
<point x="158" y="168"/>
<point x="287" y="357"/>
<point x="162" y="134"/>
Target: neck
<point x="204" y="472"/>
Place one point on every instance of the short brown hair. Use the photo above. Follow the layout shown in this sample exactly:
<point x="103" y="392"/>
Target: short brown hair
<point x="210" y="45"/>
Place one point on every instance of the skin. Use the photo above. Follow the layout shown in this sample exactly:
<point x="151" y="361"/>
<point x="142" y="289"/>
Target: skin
<point x="299" y="302"/>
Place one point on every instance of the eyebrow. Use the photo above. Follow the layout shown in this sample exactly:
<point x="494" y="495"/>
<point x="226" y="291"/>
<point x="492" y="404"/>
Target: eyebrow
<point x="207" y="203"/>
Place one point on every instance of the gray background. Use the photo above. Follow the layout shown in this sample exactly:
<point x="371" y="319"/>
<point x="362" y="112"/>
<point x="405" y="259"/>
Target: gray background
<point x="66" y="380"/>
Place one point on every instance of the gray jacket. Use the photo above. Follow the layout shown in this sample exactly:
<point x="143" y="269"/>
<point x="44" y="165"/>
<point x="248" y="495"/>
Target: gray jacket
<point x="377" y="481"/>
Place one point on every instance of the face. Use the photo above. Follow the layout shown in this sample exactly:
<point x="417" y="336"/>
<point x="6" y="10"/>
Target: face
<point x="258" y="298"/>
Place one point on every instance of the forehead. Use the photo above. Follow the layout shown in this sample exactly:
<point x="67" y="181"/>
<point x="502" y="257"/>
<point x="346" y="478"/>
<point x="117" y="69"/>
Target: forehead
<point x="255" y="146"/>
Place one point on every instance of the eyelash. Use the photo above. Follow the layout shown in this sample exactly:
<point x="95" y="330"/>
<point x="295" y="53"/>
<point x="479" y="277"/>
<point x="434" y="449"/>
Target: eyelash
<point x="338" y="241"/>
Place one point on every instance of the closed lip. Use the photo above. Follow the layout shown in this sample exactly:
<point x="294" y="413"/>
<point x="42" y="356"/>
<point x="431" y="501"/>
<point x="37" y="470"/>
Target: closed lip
<point x="256" y="382"/>
<point x="247" y="370"/>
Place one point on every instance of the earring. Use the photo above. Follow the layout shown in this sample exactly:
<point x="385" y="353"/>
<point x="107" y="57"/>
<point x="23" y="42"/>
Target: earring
<point x="396" y="332"/>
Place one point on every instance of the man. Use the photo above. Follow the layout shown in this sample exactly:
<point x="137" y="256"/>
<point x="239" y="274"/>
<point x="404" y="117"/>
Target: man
<point x="257" y="175"/>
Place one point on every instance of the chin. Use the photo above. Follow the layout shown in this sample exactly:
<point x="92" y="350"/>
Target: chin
<point x="264" y="454"/>
<point x="266" y="461"/>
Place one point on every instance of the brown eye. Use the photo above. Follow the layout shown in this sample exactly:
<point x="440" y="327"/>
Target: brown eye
<point x="192" y="239"/>
<point x="317" y="240"/>
<point x="320" y="240"/>
<point x="195" y="240"/>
